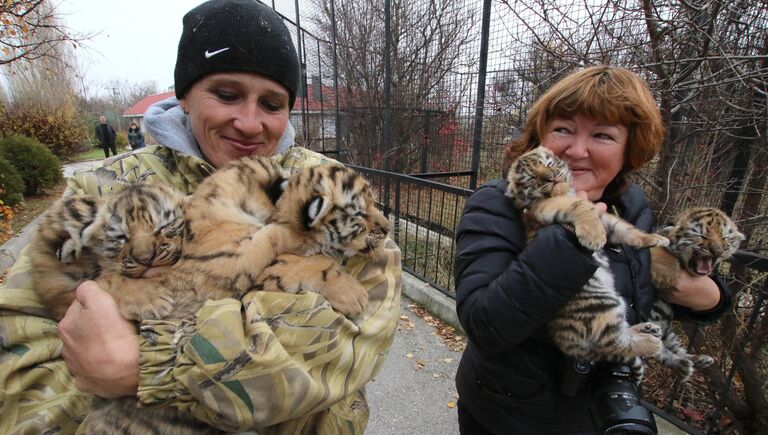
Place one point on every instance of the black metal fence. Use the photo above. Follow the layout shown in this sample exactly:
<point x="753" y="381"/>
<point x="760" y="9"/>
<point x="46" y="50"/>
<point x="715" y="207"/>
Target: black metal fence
<point x="424" y="214"/>
<point x="422" y="96"/>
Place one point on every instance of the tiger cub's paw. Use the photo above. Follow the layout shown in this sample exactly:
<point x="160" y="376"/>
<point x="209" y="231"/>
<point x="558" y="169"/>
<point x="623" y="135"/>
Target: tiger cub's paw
<point x="683" y="367"/>
<point x="702" y="361"/>
<point x="646" y="341"/>
<point x="646" y="240"/>
<point x="69" y="251"/>
<point x="647" y="328"/>
<point x="658" y="240"/>
<point x="145" y="307"/>
<point x="590" y="236"/>
<point x="350" y="301"/>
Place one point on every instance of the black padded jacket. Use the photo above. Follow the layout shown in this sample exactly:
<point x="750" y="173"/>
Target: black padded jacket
<point x="511" y="373"/>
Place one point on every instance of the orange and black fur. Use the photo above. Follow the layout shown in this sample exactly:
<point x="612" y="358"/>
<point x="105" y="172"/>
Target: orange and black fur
<point x="246" y="227"/>
<point x="592" y="325"/>
<point x="82" y="237"/>
<point x="700" y="239"/>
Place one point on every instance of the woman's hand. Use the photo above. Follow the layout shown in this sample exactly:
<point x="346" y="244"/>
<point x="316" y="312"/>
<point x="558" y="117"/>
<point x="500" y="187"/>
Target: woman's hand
<point x="100" y="347"/>
<point x="699" y="293"/>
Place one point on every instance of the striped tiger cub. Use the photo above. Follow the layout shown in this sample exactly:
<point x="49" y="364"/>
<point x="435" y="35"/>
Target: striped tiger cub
<point x="700" y="239"/>
<point x="82" y="237"/>
<point x="339" y="219"/>
<point x="592" y="325"/>
<point x="243" y="229"/>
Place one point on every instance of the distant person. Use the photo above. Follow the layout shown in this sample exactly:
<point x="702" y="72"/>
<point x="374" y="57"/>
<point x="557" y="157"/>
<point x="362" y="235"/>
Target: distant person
<point x="135" y="137"/>
<point x="106" y="135"/>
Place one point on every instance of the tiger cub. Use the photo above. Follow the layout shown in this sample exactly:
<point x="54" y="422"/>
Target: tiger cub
<point x="700" y="239"/>
<point x="339" y="220"/>
<point x="82" y="237"/>
<point x="236" y="237"/>
<point x="592" y="325"/>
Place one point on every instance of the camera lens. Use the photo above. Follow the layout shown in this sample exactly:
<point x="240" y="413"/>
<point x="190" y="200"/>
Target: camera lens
<point x="616" y="407"/>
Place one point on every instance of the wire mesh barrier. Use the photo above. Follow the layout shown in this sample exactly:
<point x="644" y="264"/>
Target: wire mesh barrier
<point x="435" y="89"/>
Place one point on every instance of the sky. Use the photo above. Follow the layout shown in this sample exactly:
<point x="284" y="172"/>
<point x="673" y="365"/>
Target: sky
<point x="134" y="41"/>
<point x="133" y="44"/>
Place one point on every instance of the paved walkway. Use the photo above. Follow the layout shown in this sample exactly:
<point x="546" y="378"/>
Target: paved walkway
<point x="414" y="392"/>
<point x="70" y="168"/>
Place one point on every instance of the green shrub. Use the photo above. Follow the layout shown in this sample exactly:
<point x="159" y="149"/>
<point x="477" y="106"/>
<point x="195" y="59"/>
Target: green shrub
<point x="11" y="184"/>
<point x="60" y="126"/>
<point x="121" y="141"/>
<point x="37" y="165"/>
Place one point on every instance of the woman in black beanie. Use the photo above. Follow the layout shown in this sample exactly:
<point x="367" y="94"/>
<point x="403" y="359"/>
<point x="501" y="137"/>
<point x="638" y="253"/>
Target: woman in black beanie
<point x="235" y="366"/>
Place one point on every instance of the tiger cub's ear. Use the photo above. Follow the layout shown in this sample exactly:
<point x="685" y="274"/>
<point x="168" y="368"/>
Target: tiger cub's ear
<point x="315" y="210"/>
<point x="75" y="214"/>
<point x="275" y="190"/>
<point x="736" y="237"/>
<point x="92" y="230"/>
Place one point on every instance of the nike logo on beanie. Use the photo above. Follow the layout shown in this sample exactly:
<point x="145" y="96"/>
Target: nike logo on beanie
<point x="210" y="54"/>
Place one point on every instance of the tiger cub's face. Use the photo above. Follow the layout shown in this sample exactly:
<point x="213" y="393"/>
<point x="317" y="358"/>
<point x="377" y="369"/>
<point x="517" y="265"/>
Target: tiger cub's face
<point x="701" y="238"/>
<point x="333" y="205"/>
<point x="537" y="174"/>
<point x="141" y="226"/>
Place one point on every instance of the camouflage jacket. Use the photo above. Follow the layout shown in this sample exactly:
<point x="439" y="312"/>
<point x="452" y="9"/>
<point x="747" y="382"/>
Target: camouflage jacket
<point x="274" y="362"/>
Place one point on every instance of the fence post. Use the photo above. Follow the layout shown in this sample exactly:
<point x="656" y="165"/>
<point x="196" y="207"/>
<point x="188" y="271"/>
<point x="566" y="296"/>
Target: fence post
<point x="336" y="82"/>
<point x="480" y="94"/>
<point x="426" y="142"/>
<point x="387" y="97"/>
<point x="303" y="65"/>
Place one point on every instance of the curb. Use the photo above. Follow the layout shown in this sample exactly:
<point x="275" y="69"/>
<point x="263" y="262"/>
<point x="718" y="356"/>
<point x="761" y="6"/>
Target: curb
<point x="435" y="301"/>
<point x="9" y="251"/>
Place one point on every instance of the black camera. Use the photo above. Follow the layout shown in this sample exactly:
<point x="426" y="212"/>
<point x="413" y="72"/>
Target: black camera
<point x="616" y="407"/>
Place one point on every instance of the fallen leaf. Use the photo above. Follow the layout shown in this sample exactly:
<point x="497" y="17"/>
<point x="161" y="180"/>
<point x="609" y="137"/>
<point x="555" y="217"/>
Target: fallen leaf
<point x="447" y="360"/>
<point x="451" y="404"/>
<point x="693" y="414"/>
<point x="452" y="341"/>
<point x="409" y="355"/>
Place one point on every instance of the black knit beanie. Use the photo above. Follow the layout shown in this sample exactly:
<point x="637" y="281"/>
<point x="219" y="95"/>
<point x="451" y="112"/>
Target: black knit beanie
<point x="235" y="35"/>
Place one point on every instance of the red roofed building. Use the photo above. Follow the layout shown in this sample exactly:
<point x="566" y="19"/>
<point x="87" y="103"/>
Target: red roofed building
<point x="315" y="114"/>
<point x="136" y="112"/>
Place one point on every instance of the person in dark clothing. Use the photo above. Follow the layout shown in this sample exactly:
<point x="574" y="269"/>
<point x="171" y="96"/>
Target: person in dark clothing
<point x="135" y="137"/>
<point x="106" y="136"/>
<point x="603" y="122"/>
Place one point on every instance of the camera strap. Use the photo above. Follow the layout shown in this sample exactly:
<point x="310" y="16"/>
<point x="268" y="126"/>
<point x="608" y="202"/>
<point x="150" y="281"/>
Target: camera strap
<point x="575" y="374"/>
